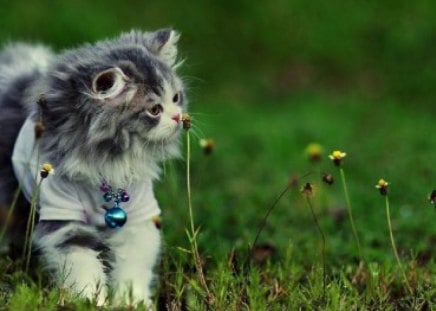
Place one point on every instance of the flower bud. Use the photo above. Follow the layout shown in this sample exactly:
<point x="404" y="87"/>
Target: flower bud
<point x="328" y="179"/>
<point x="186" y="120"/>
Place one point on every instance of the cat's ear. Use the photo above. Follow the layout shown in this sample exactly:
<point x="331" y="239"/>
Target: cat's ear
<point x="109" y="83"/>
<point x="163" y="44"/>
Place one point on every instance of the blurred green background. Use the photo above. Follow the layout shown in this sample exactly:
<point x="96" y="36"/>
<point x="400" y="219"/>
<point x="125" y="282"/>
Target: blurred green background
<point x="266" y="78"/>
<point x="273" y="49"/>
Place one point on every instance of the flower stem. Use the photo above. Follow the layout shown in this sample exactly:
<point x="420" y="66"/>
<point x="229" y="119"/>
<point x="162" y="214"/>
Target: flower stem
<point x="36" y="147"/>
<point x="350" y="214"/>
<point x="394" y="248"/>
<point x="188" y="180"/>
<point x="315" y="219"/>
<point x="30" y="225"/>
<point x="193" y="234"/>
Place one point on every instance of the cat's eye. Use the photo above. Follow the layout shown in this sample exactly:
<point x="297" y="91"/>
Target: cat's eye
<point x="176" y="98"/>
<point x="156" y="110"/>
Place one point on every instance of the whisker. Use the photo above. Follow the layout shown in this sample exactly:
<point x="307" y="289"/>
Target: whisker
<point x="197" y="123"/>
<point x="195" y="134"/>
<point x="197" y="131"/>
<point x="192" y="78"/>
<point x="201" y="114"/>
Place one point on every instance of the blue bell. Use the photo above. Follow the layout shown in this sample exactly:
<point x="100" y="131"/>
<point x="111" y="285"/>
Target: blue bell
<point x="115" y="217"/>
<point x="108" y="196"/>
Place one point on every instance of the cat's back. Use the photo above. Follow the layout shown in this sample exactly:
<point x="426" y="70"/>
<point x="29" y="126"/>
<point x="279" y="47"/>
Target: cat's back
<point x="20" y="61"/>
<point x="20" y="66"/>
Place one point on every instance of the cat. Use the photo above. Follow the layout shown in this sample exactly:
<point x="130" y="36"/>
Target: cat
<point x="105" y="115"/>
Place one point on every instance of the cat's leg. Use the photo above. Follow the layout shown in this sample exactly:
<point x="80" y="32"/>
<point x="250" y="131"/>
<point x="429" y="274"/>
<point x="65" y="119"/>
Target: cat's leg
<point x="136" y="249"/>
<point x="76" y="256"/>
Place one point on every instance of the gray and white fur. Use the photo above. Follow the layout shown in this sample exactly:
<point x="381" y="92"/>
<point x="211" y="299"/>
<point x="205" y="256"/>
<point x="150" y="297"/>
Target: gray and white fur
<point x="111" y="112"/>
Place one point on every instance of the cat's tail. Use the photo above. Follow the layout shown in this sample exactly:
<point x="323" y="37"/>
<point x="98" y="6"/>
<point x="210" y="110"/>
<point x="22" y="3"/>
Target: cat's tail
<point x="22" y="59"/>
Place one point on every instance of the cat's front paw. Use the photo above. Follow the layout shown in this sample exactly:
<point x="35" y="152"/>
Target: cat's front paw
<point x="147" y="303"/>
<point x="96" y="294"/>
<point x="131" y="297"/>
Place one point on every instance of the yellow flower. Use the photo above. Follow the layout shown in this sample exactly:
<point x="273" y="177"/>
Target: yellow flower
<point x="337" y="157"/>
<point x="382" y="185"/>
<point x="46" y="169"/>
<point x="314" y="152"/>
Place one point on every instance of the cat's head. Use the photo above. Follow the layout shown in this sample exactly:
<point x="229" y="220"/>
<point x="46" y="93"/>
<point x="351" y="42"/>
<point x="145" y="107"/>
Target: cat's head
<point x="114" y="102"/>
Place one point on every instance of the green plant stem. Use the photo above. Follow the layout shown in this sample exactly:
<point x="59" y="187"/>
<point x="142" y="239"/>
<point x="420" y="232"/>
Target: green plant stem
<point x="324" y="276"/>
<point x="350" y="213"/>
<point x="394" y="247"/>
<point x="193" y="238"/>
<point x="268" y="212"/>
<point x="353" y="228"/>
<point x="27" y="234"/>
<point x="30" y="224"/>
<point x="188" y="181"/>
<point x="36" y="147"/>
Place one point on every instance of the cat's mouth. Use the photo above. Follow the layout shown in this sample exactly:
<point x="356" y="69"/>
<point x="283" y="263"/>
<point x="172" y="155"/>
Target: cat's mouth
<point x="175" y="131"/>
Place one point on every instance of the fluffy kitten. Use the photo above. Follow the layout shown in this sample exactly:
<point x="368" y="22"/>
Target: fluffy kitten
<point x="111" y="113"/>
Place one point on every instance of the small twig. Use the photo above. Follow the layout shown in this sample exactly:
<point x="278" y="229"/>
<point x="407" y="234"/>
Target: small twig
<point x="350" y="214"/>
<point x="268" y="212"/>
<point x="30" y="224"/>
<point x="324" y="273"/>
<point x="394" y="247"/>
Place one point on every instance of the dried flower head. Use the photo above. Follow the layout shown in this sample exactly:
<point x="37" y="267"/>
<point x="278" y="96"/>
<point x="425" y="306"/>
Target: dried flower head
<point x="157" y="221"/>
<point x="293" y="180"/>
<point x="46" y="169"/>
<point x="42" y="102"/>
<point x="337" y="157"/>
<point x="432" y="197"/>
<point x="186" y="120"/>
<point x="382" y="186"/>
<point x="39" y="129"/>
<point x="328" y="179"/>
<point x="314" y="152"/>
<point x="307" y="190"/>
<point x="207" y="144"/>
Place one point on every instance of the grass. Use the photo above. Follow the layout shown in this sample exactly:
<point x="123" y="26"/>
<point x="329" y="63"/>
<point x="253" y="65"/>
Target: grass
<point x="250" y="99"/>
<point x="258" y="146"/>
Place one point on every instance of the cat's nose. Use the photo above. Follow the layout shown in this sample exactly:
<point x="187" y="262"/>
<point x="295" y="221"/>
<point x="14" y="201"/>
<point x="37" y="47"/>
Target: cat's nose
<point x="176" y="117"/>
